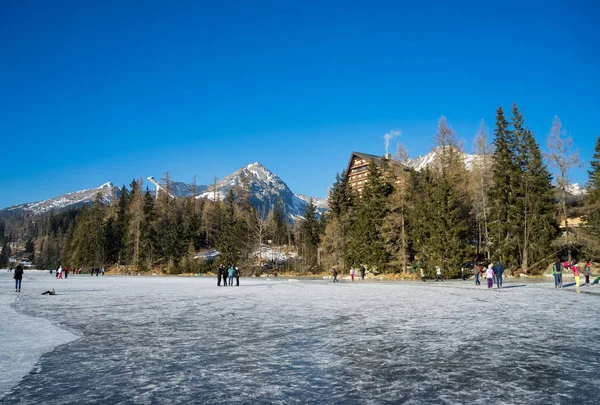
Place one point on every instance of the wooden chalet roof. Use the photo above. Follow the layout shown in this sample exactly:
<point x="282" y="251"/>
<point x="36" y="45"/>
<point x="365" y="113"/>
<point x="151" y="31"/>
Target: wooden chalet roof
<point x="370" y="158"/>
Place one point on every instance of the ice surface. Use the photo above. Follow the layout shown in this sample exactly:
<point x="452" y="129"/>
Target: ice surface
<point x="23" y="339"/>
<point x="184" y="340"/>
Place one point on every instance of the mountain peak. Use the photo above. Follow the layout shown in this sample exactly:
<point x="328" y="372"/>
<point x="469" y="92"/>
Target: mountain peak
<point x="107" y="185"/>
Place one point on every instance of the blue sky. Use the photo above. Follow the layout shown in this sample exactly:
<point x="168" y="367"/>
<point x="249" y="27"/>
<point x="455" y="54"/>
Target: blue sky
<point x="115" y="90"/>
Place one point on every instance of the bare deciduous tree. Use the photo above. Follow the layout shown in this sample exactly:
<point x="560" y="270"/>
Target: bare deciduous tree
<point x="562" y="157"/>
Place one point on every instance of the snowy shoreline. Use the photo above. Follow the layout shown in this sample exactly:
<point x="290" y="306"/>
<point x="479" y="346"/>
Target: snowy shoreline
<point x="22" y="352"/>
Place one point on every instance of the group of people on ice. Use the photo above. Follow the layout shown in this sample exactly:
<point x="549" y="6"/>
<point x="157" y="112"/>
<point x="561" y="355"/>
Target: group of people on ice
<point x="558" y="267"/>
<point x="64" y="272"/>
<point x="361" y="270"/>
<point x="227" y="275"/>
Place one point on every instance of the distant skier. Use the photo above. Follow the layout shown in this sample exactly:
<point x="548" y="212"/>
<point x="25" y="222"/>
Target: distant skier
<point x="362" y="272"/>
<point x="18" y="276"/>
<point x="423" y="276"/>
<point x="557" y="267"/>
<point x="587" y="272"/>
<point x="231" y="272"/>
<point x="352" y="273"/>
<point x="335" y="273"/>
<point x="219" y="275"/>
<point x="237" y="276"/>
<point x="498" y="270"/>
<point x="438" y="273"/>
<point x="489" y="275"/>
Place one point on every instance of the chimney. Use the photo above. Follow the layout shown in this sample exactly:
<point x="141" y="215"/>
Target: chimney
<point x="388" y="156"/>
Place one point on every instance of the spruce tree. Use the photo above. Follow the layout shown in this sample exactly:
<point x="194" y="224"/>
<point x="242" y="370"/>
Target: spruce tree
<point x="311" y="235"/>
<point x="366" y="243"/>
<point x="229" y="238"/>
<point x="4" y="254"/>
<point x="592" y="229"/>
<point x="538" y="221"/>
<point x="501" y="194"/>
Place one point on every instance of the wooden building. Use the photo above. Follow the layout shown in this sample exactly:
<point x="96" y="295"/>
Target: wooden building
<point x="357" y="171"/>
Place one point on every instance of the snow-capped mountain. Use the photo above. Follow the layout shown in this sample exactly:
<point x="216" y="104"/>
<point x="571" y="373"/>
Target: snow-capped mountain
<point x="264" y="187"/>
<point x="320" y="203"/>
<point x="70" y="200"/>
<point x="576" y="189"/>
<point x="420" y="162"/>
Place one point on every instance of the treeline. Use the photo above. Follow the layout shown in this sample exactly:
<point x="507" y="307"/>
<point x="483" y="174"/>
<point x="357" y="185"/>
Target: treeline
<point x="505" y="208"/>
<point x="145" y="232"/>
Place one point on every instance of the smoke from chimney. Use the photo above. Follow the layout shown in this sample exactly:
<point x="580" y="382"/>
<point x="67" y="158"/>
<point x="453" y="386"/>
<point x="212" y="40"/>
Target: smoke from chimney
<point x="388" y="137"/>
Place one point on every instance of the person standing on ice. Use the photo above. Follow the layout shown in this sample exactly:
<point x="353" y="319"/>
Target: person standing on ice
<point x="558" y="266"/>
<point x="587" y="272"/>
<point x="219" y="274"/>
<point x="362" y="272"/>
<point x="352" y="273"/>
<point x="498" y="270"/>
<point x="438" y="273"/>
<point x="575" y="271"/>
<point x="489" y="275"/>
<point x="423" y="275"/>
<point x="477" y="271"/>
<point x="60" y="272"/>
<point x="335" y="280"/>
<point x="237" y="276"/>
<point x="231" y="273"/>
<point x="18" y="276"/>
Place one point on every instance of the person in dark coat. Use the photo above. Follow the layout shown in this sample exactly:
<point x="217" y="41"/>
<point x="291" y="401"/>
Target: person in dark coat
<point x="498" y="270"/>
<point x="237" y="276"/>
<point x="335" y="273"/>
<point x="18" y="278"/>
<point x="362" y="272"/>
<point x="219" y="275"/>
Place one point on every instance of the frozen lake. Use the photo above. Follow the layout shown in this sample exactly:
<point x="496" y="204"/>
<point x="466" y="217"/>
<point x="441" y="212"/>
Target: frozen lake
<point x="151" y="340"/>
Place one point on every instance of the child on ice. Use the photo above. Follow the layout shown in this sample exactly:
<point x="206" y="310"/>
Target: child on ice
<point x="489" y="274"/>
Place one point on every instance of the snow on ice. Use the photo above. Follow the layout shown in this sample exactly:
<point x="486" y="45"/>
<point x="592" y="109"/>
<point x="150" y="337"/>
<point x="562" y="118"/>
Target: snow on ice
<point x="181" y="340"/>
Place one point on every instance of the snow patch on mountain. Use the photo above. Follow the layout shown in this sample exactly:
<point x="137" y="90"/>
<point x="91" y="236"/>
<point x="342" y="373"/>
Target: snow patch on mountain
<point x="421" y="162"/>
<point x="70" y="200"/>
<point x="576" y="189"/>
<point x="264" y="188"/>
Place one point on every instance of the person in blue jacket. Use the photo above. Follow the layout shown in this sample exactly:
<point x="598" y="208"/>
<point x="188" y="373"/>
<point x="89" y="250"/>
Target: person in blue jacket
<point x="231" y="272"/>
<point x="498" y="270"/>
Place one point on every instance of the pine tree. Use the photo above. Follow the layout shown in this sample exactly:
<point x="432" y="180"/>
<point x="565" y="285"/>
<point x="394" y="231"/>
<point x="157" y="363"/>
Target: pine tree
<point x="86" y="247"/>
<point x="4" y="254"/>
<point x="522" y="209"/>
<point x="311" y="235"/>
<point x="229" y="238"/>
<point x="341" y="198"/>
<point x="366" y="244"/>
<point x="592" y="229"/>
<point x="539" y="227"/>
<point x="501" y="194"/>
<point x="148" y="238"/>
<point x="279" y="226"/>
